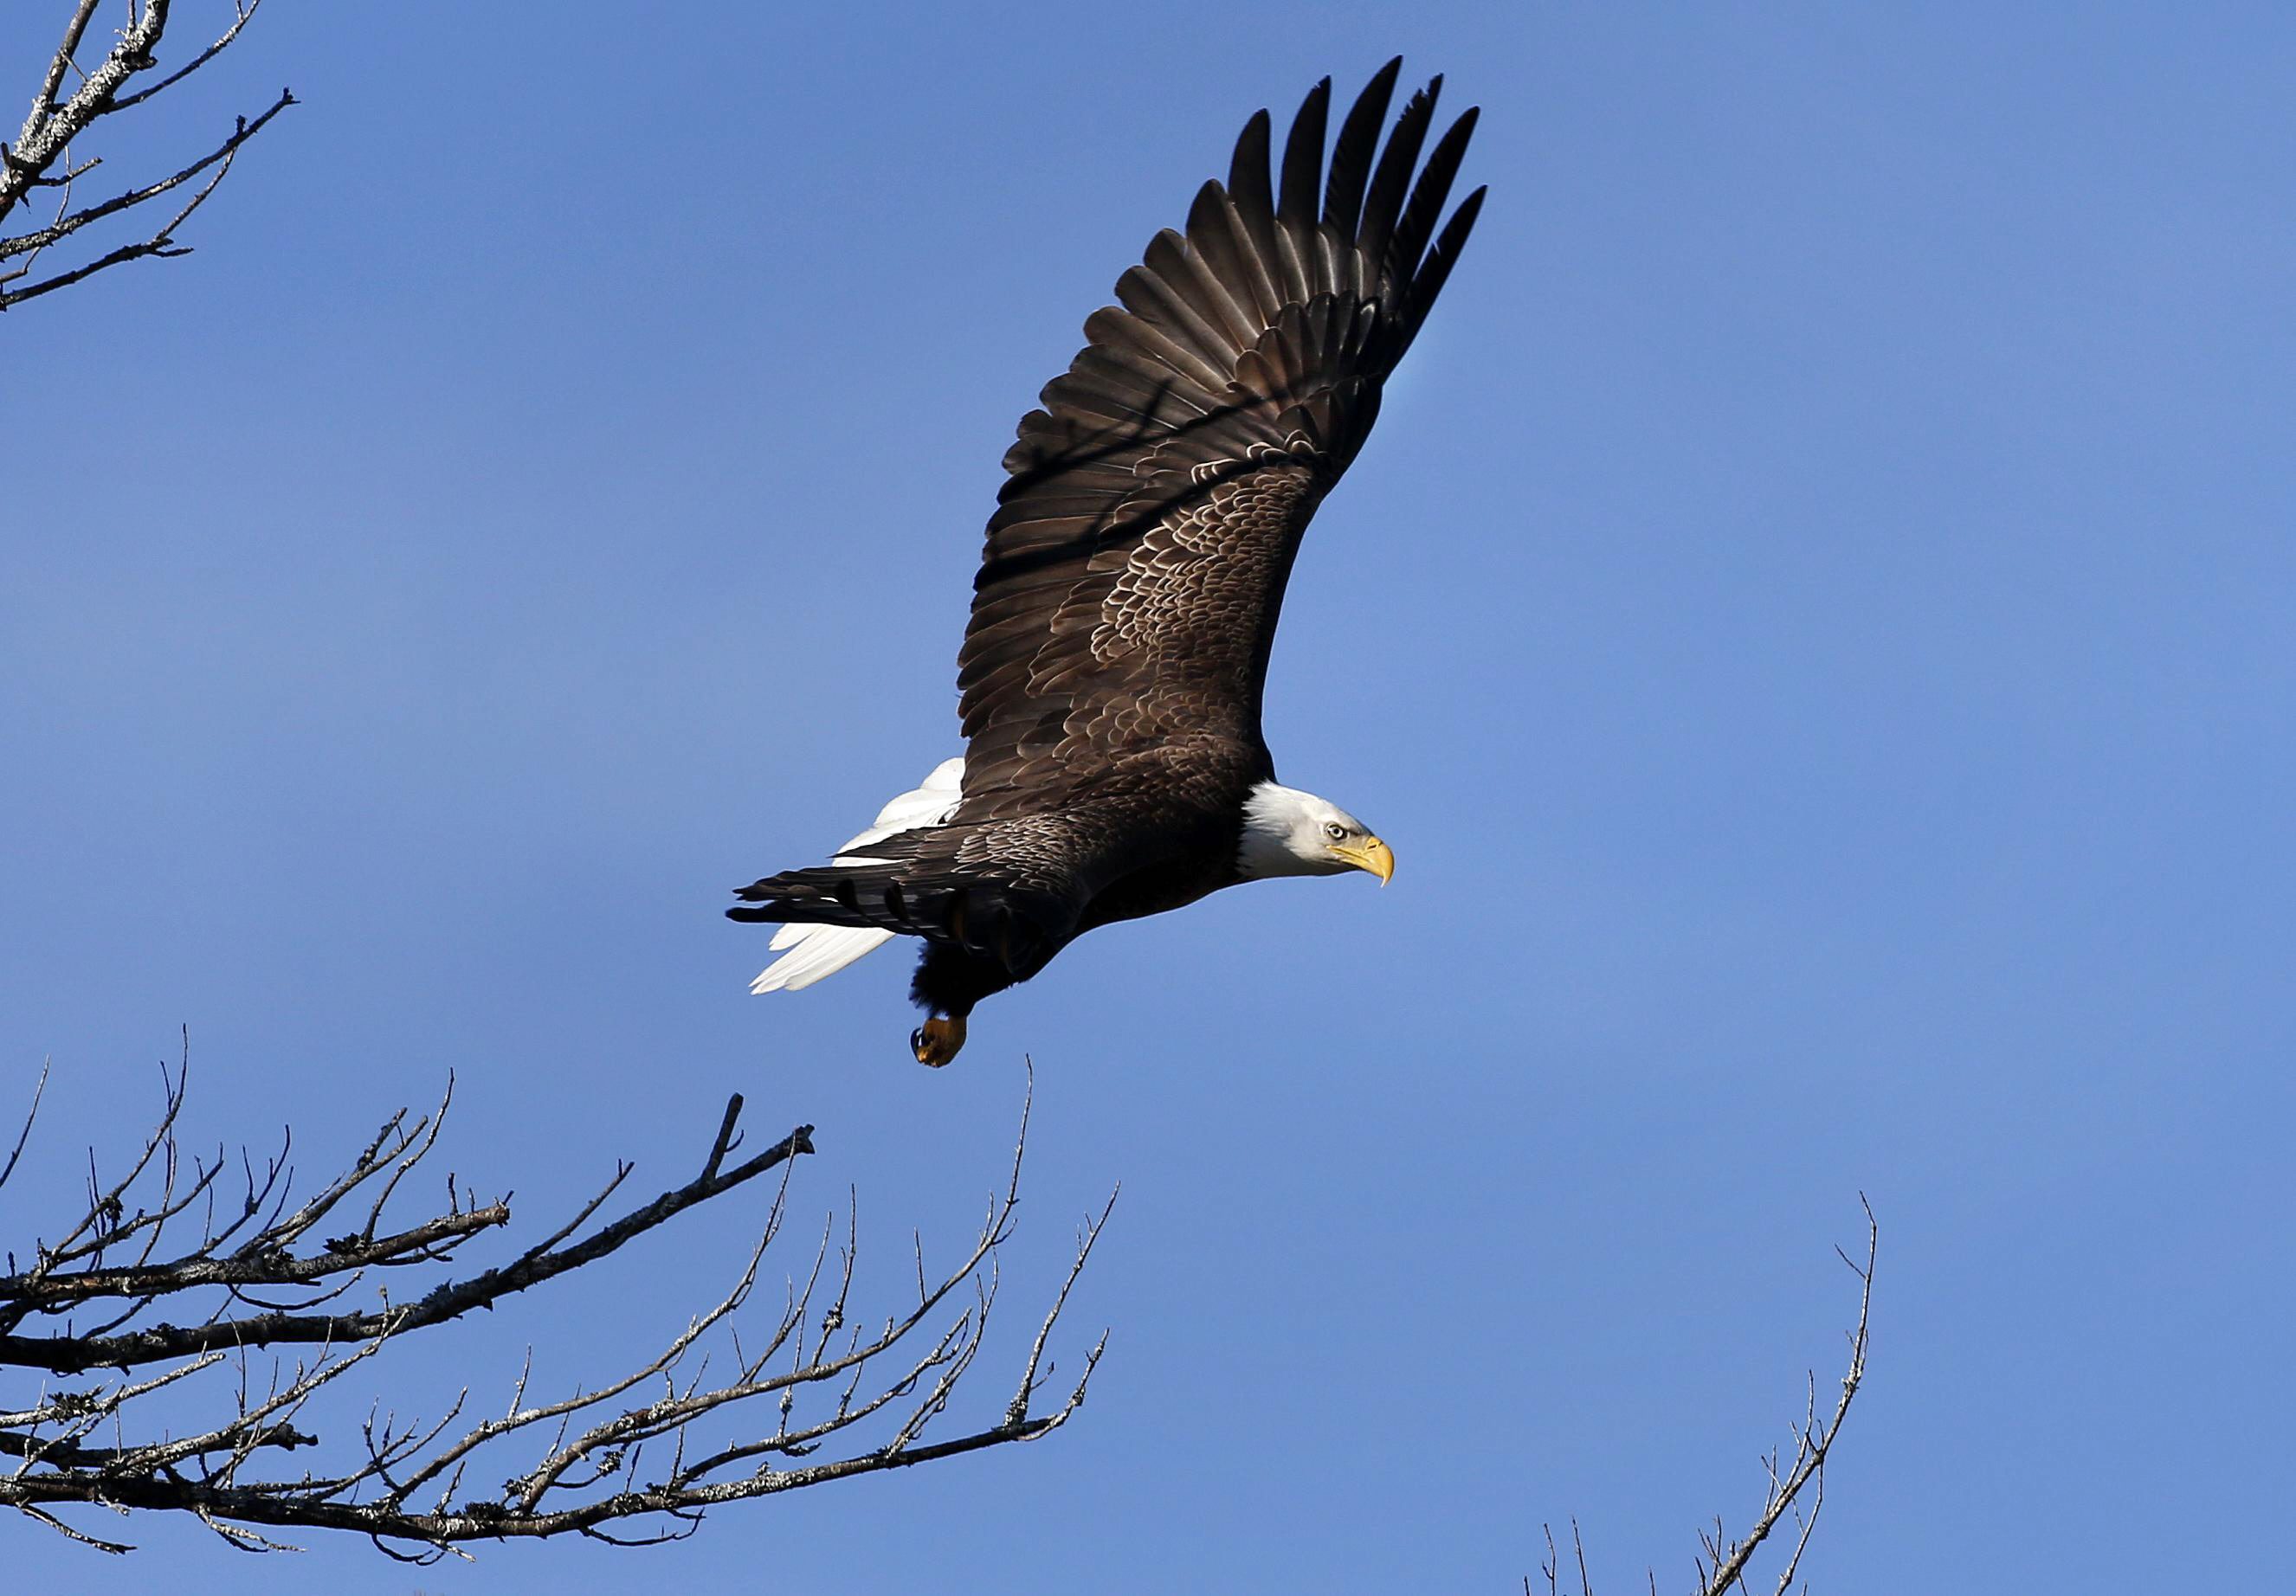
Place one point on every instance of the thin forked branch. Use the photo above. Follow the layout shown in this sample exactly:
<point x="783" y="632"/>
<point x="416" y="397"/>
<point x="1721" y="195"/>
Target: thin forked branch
<point x="1796" y="1487"/>
<point x="1723" y="1562"/>
<point x="43" y="154"/>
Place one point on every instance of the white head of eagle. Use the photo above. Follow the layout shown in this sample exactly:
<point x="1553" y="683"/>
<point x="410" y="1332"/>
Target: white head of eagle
<point x="1110" y="682"/>
<point x="1287" y="832"/>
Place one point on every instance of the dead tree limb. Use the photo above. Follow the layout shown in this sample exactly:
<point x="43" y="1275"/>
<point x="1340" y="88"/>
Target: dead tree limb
<point x="71" y="100"/>
<point x="251" y="1271"/>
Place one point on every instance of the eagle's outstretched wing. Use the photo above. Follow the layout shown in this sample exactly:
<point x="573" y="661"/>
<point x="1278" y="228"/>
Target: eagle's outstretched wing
<point x="1135" y="566"/>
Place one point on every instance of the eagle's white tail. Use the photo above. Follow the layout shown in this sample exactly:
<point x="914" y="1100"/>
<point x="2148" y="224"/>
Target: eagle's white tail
<point x="807" y="952"/>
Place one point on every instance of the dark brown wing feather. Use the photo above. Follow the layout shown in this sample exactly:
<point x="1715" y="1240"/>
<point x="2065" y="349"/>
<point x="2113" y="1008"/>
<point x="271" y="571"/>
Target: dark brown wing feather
<point x="1135" y="566"/>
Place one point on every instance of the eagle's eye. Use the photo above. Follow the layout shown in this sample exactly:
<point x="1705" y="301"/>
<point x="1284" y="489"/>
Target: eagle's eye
<point x="1334" y="831"/>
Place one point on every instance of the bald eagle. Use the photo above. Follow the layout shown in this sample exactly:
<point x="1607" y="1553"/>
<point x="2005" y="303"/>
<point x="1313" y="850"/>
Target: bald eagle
<point x="1111" y="674"/>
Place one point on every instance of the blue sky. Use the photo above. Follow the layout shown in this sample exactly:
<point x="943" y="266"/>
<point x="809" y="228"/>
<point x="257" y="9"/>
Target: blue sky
<point x="1812" y="621"/>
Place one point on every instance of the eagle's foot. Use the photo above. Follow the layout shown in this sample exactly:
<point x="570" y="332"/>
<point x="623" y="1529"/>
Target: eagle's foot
<point x="937" y="1041"/>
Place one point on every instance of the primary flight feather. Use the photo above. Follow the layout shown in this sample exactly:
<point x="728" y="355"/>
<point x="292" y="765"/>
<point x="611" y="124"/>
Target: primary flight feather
<point x="1111" y="671"/>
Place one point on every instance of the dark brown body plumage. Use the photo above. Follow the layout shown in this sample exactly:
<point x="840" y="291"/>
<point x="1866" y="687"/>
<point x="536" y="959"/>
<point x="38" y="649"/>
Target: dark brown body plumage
<point x="1134" y="569"/>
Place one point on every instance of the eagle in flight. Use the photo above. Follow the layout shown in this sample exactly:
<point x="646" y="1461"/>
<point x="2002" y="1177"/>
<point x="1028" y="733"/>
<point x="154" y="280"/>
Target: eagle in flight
<point x="1110" y="676"/>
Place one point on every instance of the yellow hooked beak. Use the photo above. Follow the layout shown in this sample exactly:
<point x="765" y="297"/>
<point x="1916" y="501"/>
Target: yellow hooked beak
<point x="1371" y="854"/>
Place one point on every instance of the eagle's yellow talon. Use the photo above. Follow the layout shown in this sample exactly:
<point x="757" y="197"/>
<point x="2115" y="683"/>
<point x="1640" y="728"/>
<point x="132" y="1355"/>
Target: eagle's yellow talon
<point x="938" y="1040"/>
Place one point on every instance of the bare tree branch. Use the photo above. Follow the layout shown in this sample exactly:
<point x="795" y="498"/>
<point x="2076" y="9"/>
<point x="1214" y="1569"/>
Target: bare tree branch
<point x="1723" y="1562"/>
<point x="1796" y="1490"/>
<point x="41" y="156"/>
<point x="825" y="1382"/>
